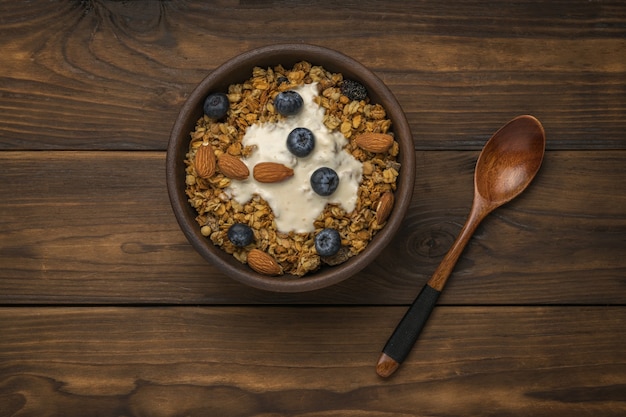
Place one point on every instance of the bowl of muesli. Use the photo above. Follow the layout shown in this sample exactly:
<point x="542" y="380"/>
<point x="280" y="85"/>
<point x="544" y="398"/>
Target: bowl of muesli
<point x="290" y="167"/>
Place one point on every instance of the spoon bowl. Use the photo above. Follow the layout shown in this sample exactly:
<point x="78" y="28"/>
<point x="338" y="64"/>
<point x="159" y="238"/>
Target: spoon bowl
<point x="507" y="164"/>
<point x="510" y="160"/>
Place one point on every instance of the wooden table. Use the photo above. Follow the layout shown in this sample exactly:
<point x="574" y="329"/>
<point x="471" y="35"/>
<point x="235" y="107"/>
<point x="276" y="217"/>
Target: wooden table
<point x="105" y="308"/>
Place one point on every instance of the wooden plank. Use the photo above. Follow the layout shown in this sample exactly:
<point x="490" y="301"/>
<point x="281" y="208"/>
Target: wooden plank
<point x="97" y="227"/>
<point x="113" y="75"/>
<point x="310" y="361"/>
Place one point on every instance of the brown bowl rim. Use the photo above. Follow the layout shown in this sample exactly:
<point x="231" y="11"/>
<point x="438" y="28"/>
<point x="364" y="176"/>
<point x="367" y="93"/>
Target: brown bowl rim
<point x="239" y="68"/>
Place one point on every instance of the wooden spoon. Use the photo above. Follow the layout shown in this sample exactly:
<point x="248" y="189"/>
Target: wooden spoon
<point x="505" y="167"/>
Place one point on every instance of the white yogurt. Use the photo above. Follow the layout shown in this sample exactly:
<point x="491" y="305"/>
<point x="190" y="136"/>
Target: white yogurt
<point x="294" y="203"/>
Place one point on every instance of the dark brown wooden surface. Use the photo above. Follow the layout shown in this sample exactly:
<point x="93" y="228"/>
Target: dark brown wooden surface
<point x="540" y="361"/>
<point x="105" y="309"/>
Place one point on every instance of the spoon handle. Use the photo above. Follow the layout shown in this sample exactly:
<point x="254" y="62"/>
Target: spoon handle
<point x="406" y="333"/>
<point x="408" y="330"/>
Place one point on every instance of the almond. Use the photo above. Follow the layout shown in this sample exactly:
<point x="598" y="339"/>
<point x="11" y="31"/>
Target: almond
<point x="204" y="161"/>
<point x="232" y="167"/>
<point x="374" y="142"/>
<point x="271" y="172"/>
<point x="263" y="263"/>
<point x="384" y="206"/>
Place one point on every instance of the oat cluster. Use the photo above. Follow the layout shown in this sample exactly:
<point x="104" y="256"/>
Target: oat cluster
<point x="251" y="102"/>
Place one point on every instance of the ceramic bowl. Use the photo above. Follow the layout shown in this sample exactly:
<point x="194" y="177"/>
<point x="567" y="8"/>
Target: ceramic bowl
<point x="239" y="69"/>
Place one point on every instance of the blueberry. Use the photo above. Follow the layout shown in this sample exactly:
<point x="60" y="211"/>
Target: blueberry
<point x="300" y="142"/>
<point x="353" y="90"/>
<point x="240" y="234"/>
<point x="288" y="102"/>
<point x="216" y="105"/>
<point x="324" y="181"/>
<point x="282" y="79"/>
<point x="327" y="242"/>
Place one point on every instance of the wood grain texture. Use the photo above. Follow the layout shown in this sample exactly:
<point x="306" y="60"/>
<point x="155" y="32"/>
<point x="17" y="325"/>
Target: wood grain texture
<point x="222" y="361"/>
<point x="106" y="310"/>
<point x="97" y="227"/>
<point x="113" y="75"/>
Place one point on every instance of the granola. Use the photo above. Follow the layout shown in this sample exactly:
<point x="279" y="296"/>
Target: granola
<point x="251" y="102"/>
